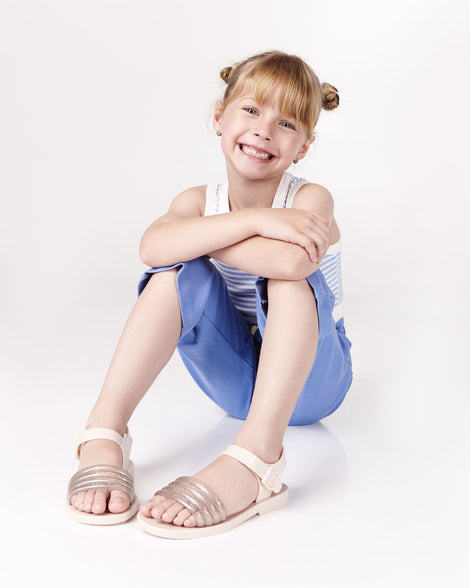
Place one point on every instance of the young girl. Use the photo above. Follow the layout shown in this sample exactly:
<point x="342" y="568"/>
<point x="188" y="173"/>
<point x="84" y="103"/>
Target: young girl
<point x="246" y="284"/>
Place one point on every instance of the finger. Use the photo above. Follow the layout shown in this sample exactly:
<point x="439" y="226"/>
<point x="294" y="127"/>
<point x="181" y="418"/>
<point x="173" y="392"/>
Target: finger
<point x="321" y="236"/>
<point x="322" y="242"/>
<point x="319" y="239"/>
<point x="312" y="255"/>
<point x="319" y="232"/>
<point x="323" y="229"/>
<point x="322" y="247"/>
<point x="309" y="245"/>
<point x="320" y="217"/>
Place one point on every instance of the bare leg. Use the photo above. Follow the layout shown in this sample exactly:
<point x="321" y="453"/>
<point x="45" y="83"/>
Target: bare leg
<point x="147" y="343"/>
<point x="287" y="355"/>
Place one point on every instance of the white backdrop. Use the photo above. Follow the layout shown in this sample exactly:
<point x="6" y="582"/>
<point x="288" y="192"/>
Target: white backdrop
<point x="105" y="116"/>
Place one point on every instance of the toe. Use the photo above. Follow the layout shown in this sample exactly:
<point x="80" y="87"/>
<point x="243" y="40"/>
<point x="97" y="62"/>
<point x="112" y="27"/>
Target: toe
<point x="190" y="521"/>
<point x="147" y="507"/>
<point x="99" y="502"/>
<point x="155" y="507"/>
<point x="171" y="512"/>
<point x="118" y="502"/>
<point x="77" y="500"/>
<point x="88" y="500"/>
<point x="159" y="508"/>
<point x="182" y="517"/>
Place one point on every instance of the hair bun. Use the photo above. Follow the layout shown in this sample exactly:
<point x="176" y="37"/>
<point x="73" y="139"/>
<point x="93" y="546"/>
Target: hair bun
<point x="330" y="96"/>
<point x="226" y="73"/>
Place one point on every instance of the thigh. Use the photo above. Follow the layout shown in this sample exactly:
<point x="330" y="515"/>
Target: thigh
<point x="331" y="373"/>
<point x="215" y="343"/>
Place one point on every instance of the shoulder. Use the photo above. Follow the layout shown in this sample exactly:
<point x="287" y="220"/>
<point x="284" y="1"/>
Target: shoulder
<point x="315" y="198"/>
<point x="189" y="202"/>
<point x="314" y="192"/>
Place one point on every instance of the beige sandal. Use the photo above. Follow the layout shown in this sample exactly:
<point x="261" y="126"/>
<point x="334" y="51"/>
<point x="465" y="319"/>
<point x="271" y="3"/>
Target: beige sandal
<point x="207" y="507"/>
<point x="104" y="476"/>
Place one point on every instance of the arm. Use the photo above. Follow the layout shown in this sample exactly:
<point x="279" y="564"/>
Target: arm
<point x="269" y="258"/>
<point x="264" y="236"/>
<point x="184" y="233"/>
<point x="281" y="258"/>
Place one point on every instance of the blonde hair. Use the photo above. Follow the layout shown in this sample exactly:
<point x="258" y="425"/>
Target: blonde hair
<point x="288" y="79"/>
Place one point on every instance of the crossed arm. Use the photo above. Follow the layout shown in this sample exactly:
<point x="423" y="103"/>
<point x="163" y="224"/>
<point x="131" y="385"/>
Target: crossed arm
<point x="274" y="243"/>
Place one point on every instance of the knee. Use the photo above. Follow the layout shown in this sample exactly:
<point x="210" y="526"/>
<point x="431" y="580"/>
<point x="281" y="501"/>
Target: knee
<point x="164" y="277"/>
<point x="198" y="270"/>
<point x="150" y="279"/>
<point x="169" y="274"/>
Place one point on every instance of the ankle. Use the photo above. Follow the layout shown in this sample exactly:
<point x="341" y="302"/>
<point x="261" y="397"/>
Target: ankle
<point x="99" y="452"/>
<point x="265" y="448"/>
<point x="107" y="423"/>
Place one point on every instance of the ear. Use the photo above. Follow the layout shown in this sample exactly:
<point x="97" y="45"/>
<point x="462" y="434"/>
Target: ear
<point x="302" y="152"/>
<point x="218" y="114"/>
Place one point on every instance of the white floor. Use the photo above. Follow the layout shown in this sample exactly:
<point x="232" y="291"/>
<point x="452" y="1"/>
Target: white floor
<point x="378" y="491"/>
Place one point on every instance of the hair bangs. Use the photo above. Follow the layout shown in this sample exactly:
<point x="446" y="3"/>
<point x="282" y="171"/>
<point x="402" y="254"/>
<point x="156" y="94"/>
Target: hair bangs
<point x="283" y="80"/>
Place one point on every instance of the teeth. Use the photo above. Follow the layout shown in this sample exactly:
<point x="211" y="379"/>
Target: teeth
<point x="251" y="151"/>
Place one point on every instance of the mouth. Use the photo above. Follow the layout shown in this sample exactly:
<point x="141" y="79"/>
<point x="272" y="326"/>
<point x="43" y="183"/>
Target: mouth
<point x="256" y="153"/>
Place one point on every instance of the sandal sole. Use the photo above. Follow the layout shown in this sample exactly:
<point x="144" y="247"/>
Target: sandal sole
<point x="170" y="531"/>
<point x="107" y="518"/>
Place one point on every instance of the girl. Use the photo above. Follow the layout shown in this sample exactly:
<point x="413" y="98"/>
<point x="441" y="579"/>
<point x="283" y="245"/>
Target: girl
<point x="246" y="283"/>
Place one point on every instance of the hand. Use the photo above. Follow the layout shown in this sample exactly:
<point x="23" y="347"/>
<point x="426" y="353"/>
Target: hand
<point x="296" y="225"/>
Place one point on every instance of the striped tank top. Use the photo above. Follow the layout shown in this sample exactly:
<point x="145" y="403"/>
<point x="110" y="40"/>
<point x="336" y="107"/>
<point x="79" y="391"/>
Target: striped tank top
<point x="240" y="284"/>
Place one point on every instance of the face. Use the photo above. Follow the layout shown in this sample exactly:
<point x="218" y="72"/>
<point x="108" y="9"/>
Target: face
<point x="258" y="141"/>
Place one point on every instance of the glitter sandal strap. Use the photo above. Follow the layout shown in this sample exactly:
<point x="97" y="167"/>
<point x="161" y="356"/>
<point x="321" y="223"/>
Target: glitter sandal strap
<point x="102" y="477"/>
<point x="198" y="498"/>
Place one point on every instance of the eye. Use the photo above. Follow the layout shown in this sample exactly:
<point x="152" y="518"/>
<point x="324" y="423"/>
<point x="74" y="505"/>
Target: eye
<point x="250" y="110"/>
<point x="287" y="125"/>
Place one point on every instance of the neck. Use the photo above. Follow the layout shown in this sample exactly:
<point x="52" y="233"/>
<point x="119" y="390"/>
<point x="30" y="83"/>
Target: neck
<point x="243" y="193"/>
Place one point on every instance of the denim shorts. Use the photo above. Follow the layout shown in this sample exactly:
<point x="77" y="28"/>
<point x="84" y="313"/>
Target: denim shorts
<point x="221" y="352"/>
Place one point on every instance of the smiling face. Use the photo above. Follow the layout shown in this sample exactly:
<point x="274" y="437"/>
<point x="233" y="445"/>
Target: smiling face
<point x="258" y="140"/>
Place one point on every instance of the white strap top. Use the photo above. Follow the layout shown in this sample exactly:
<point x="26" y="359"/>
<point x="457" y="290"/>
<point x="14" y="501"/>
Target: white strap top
<point x="240" y="284"/>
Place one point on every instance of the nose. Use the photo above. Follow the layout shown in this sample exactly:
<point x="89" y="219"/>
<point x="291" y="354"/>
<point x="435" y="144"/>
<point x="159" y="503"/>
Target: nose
<point x="262" y="135"/>
<point x="263" y="130"/>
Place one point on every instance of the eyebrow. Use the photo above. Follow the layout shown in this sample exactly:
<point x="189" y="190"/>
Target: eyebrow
<point x="288" y="117"/>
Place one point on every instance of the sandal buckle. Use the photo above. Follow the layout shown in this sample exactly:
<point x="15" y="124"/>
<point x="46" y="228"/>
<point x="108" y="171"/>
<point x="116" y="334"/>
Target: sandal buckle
<point x="270" y="477"/>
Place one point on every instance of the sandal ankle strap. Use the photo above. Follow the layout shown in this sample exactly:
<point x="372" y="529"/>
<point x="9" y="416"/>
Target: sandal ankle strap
<point x="269" y="474"/>
<point x="125" y="443"/>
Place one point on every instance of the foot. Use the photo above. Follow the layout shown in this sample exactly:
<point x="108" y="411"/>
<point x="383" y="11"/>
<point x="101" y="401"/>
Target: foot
<point x="234" y="484"/>
<point x="100" y="452"/>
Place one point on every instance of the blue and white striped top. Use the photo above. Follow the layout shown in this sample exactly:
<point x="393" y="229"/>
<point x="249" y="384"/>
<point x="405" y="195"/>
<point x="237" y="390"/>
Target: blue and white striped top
<point x="240" y="284"/>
